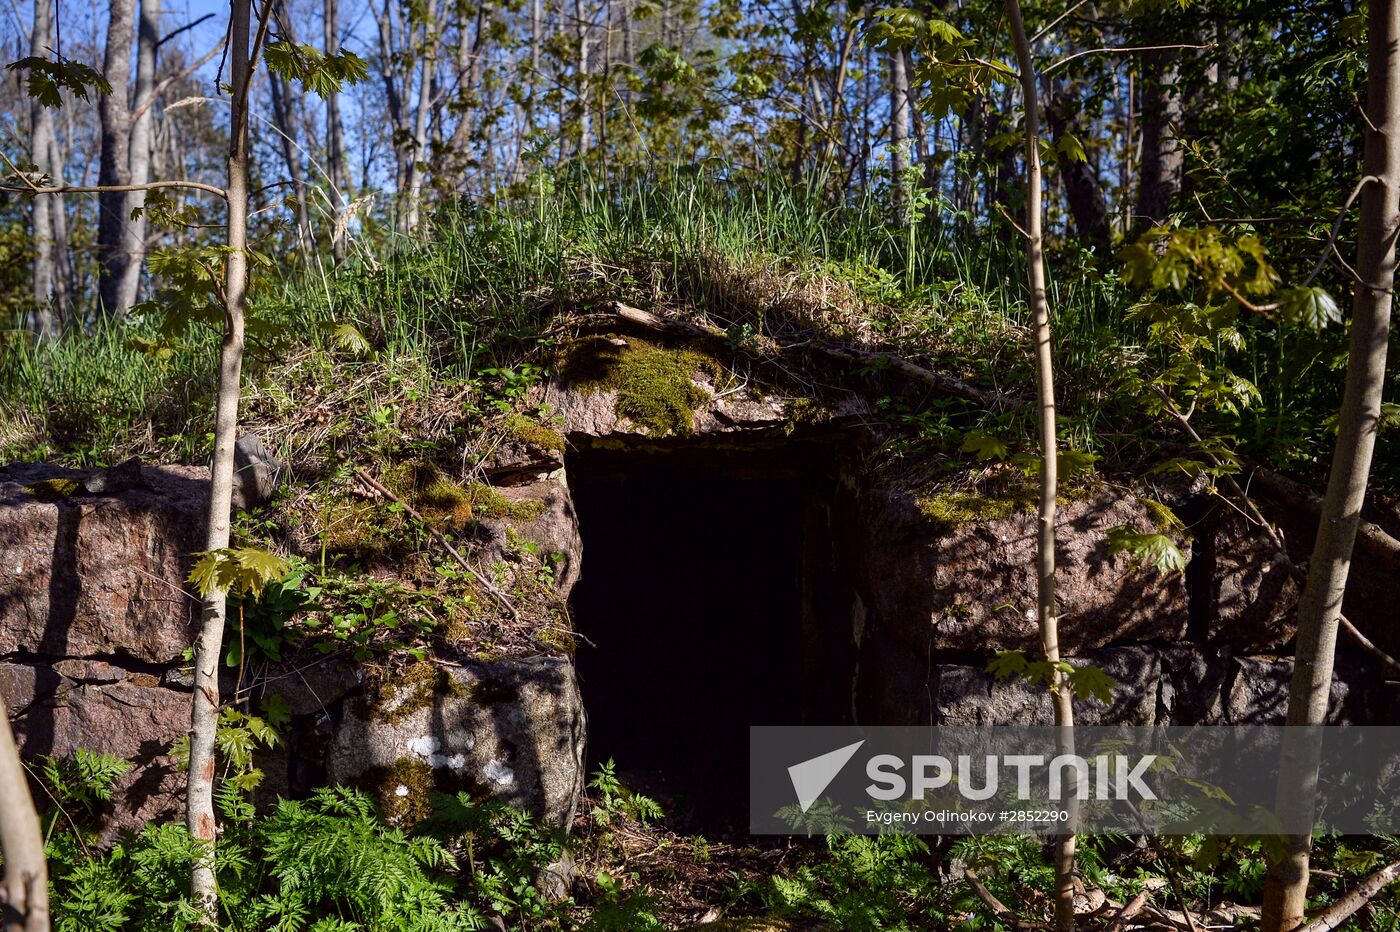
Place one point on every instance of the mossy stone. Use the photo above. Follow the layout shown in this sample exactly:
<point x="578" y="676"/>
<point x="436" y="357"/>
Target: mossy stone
<point x="654" y="384"/>
<point x="54" y="490"/>
<point x="490" y="503"/>
<point x="951" y="510"/>
<point x="414" y="689"/>
<point x="519" y="427"/>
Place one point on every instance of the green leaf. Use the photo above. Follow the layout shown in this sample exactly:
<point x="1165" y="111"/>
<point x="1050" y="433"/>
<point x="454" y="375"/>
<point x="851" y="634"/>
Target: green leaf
<point x="985" y="446"/>
<point x="1071" y="148"/>
<point x="1151" y="549"/>
<point x="1007" y="663"/>
<point x="205" y="573"/>
<point x="1092" y="682"/>
<point x="47" y="79"/>
<point x="346" y="337"/>
<point x="1074" y="462"/>
<point x="1311" y="307"/>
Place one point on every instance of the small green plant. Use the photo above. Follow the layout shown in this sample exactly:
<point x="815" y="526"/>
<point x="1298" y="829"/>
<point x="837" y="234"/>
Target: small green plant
<point x="614" y="799"/>
<point x="1087" y="681"/>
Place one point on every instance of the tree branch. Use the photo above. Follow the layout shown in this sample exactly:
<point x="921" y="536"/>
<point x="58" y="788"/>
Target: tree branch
<point x="1124" y="49"/>
<point x="1339" y="912"/>
<point x="437" y="535"/>
<point x="1337" y="228"/>
<point x="1271" y="532"/>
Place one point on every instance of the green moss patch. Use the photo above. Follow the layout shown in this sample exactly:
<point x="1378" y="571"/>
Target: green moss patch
<point x="404" y="789"/>
<point x="414" y="689"/>
<point x="654" y="384"/>
<point x="488" y="502"/>
<point x="951" y="510"/>
<point x="521" y="428"/>
<point x="53" y="490"/>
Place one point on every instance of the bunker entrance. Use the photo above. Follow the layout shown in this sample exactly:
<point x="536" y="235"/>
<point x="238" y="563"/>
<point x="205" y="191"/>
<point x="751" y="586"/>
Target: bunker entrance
<point x="715" y="595"/>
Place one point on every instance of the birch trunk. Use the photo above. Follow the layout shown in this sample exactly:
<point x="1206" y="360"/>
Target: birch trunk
<point x="41" y="148"/>
<point x="1285" y="892"/>
<point x="1046" y="610"/>
<point x="63" y="282"/>
<point x="583" y="84"/>
<point x="419" y="154"/>
<point x="899" y="134"/>
<point x="26" y="884"/>
<point x="335" y="135"/>
<point x="114" y="119"/>
<point x="204" y="713"/>
<point x="133" y="248"/>
<point x="282" y="115"/>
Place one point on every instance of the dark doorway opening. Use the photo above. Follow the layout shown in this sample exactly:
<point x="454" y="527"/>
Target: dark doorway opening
<point x="713" y="597"/>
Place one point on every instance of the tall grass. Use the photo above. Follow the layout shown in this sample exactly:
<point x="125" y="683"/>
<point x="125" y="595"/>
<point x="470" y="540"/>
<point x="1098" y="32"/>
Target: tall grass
<point x="474" y="290"/>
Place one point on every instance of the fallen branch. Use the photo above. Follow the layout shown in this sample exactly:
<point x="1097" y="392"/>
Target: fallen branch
<point x="438" y="536"/>
<point x="998" y="908"/>
<point x="1129" y="910"/>
<point x="945" y="384"/>
<point x="1371" y="537"/>
<point x="1339" y="912"/>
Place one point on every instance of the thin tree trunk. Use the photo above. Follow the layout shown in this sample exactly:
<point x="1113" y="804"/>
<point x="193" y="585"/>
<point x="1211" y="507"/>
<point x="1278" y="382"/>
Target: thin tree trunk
<point x="204" y="713"/>
<point x="286" y="137"/>
<point x="583" y="84"/>
<point x="41" y="146"/>
<point x="838" y="93"/>
<point x="536" y="33"/>
<point x="26" y="884"/>
<point x="1162" y="155"/>
<point x="114" y="118"/>
<point x="1285" y="892"/>
<point x="133" y="249"/>
<point x="64" y="285"/>
<point x="419" y="155"/>
<point x="1082" y="190"/>
<point x="899" y="133"/>
<point x="395" y="92"/>
<point x="335" y="133"/>
<point x="1046" y="609"/>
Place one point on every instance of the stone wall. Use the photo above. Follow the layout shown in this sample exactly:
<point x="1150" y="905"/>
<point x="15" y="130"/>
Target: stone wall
<point x="94" y="619"/>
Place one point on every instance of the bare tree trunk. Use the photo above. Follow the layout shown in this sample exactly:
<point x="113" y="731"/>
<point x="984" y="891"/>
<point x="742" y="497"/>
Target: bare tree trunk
<point x="838" y="93"/>
<point x="335" y="133"/>
<point x="1162" y="156"/>
<point x="418" y="157"/>
<point x="114" y="117"/>
<point x="899" y="133"/>
<point x="64" y="285"/>
<point x="133" y="249"/>
<point x="1285" y="892"/>
<point x="583" y="84"/>
<point x="536" y="37"/>
<point x="204" y="714"/>
<point x="41" y="150"/>
<point x="1046" y="608"/>
<point x="469" y="55"/>
<point x="286" y="137"/>
<point x="26" y="884"/>
<point x="396" y="90"/>
<point x="1082" y="190"/>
